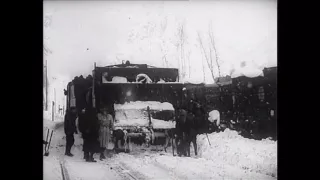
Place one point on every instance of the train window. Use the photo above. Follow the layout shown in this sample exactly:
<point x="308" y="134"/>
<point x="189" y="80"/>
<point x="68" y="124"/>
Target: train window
<point x="261" y="93"/>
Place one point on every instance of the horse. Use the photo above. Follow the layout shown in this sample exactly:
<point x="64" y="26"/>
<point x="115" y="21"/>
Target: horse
<point x="186" y="132"/>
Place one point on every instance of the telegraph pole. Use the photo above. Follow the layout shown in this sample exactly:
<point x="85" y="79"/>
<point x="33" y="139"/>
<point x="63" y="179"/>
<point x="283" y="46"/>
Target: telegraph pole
<point x="46" y="85"/>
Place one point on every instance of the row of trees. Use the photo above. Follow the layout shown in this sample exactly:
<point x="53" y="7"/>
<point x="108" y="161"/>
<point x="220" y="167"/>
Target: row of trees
<point x="179" y="40"/>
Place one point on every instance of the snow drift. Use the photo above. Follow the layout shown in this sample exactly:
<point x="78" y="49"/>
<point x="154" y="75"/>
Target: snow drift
<point x="230" y="148"/>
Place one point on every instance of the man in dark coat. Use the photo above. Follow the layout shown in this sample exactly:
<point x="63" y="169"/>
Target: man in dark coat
<point x="70" y="129"/>
<point x="89" y="127"/>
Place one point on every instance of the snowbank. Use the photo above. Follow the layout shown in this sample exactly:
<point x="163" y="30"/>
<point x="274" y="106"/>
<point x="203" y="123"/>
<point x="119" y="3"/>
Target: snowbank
<point x="230" y="148"/>
<point x="154" y="105"/>
<point x="165" y="166"/>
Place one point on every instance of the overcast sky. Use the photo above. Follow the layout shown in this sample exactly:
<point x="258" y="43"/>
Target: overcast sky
<point x="79" y="33"/>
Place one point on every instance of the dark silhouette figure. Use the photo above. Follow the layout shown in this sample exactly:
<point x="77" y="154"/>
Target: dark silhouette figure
<point x="70" y="129"/>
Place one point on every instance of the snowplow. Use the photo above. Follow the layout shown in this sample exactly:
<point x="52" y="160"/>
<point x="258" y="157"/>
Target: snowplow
<point x="141" y="98"/>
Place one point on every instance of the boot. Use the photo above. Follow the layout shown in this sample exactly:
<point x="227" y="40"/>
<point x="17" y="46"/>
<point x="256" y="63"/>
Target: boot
<point x="91" y="159"/>
<point x="86" y="156"/>
<point x="102" y="156"/>
<point x="68" y="153"/>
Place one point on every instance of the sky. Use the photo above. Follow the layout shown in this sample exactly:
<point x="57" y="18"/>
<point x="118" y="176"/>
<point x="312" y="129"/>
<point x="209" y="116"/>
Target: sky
<point x="79" y="33"/>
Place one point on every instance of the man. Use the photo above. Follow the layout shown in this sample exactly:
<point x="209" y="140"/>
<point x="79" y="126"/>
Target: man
<point x="89" y="127"/>
<point x="69" y="129"/>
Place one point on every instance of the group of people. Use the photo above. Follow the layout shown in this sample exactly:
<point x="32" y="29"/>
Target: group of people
<point x="191" y="120"/>
<point x="95" y="129"/>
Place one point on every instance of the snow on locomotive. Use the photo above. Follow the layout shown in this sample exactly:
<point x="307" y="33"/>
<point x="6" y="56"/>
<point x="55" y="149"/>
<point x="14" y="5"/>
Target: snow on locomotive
<point x="141" y="98"/>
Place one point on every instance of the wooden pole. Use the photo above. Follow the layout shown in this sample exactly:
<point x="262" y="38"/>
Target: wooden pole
<point x="52" y="110"/>
<point x="93" y="88"/>
<point x="46" y="85"/>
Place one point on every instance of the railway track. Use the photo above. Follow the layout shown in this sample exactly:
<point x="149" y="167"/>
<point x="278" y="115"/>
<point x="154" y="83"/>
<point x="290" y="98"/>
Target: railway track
<point x="64" y="171"/>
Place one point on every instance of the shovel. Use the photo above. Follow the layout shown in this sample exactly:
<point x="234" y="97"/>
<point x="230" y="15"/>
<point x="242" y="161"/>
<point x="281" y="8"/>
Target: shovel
<point x="45" y="147"/>
<point x="47" y="151"/>
<point x="208" y="139"/>
<point x="172" y="146"/>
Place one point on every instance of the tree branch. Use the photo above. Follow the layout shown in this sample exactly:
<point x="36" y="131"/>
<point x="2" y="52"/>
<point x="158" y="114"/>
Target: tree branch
<point x="215" y="50"/>
<point x="208" y="61"/>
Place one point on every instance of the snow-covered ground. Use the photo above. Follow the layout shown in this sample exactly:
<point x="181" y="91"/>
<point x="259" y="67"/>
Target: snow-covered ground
<point x="48" y="123"/>
<point x="232" y="149"/>
<point x="230" y="156"/>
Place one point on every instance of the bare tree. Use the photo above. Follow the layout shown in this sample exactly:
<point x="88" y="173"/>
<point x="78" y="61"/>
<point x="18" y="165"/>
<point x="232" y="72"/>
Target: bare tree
<point x="203" y="69"/>
<point x="163" y="44"/>
<point x="214" y="48"/>
<point x="189" y="63"/>
<point x="210" y="58"/>
<point x="181" y="47"/>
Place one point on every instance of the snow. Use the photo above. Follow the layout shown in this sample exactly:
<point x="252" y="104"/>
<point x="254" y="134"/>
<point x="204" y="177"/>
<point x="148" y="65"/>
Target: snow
<point x="135" y="114"/>
<point x="118" y="79"/>
<point x="193" y="81"/>
<point x="48" y="123"/>
<point x="247" y="71"/>
<point x="230" y="148"/>
<point x="153" y="105"/>
<point x="229" y="157"/>
<point x="51" y="168"/>
<point x="160" y="124"/>
<point x="155" y="166"/>
<point x="139" y="118"/>
<point x="115" y="79"/>
<point x="132" y="122"/>
<point x="146" y="77"/>
<point x="161" y="81"/>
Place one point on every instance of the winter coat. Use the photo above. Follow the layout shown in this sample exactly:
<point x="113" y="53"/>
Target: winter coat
<point x="89" y="124"/>
<point x="106" y="124"/>
<point x="70" y="123"/>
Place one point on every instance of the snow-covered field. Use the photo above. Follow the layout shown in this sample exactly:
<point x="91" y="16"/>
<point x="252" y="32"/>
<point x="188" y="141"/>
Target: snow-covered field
<point x="230" y="156"/>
